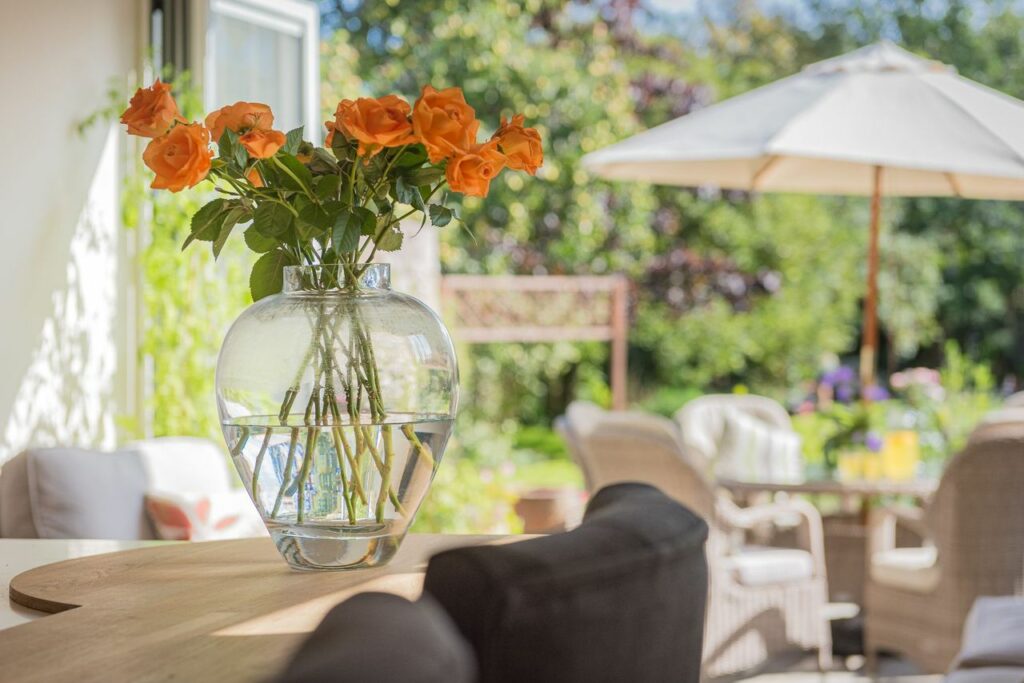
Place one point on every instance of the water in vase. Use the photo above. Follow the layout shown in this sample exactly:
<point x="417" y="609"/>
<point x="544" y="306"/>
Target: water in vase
<point x="337" y="495"/>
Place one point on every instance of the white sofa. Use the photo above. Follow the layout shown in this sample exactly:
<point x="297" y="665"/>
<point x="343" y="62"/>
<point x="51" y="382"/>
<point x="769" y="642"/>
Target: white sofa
<point x="80" y="493"/>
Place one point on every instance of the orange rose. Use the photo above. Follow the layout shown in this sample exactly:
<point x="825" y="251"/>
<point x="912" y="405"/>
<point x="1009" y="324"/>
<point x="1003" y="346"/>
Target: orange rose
<point x="181" y="158"/>
<point x="471" y="172"/>
<point x="375" y="123"/>
<point x="521" y="146"/>
<point x="444" y="123"/>
<point x="262" y="143"/>
<point x="151" y="111"/>
<point x="253" y="176"/>
<point x="329" y="142"/>
<point x="239" y="117"/>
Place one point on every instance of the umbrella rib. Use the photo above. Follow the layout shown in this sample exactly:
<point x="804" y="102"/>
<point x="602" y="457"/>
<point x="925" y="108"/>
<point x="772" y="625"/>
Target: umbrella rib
<point x="967" y="112"/>
<point x="954" y="184"/>
<point x="768" y="165"/>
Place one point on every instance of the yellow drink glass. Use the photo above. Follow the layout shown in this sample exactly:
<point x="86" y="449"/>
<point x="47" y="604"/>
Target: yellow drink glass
<point x="850" y="466"/>
<point x="901" y="453"/>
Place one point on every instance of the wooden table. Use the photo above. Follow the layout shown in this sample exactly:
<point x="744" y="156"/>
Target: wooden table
<point x="224" y="611"/>
<point x="917" y="488"/>
<point x="18" y="555"/>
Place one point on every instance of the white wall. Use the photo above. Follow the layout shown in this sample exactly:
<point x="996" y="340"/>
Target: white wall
<point x="62" y="377"/>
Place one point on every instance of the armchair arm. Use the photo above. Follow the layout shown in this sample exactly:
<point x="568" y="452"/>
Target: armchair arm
<point x="812" y="536"/>
<point x="882" y="523"/>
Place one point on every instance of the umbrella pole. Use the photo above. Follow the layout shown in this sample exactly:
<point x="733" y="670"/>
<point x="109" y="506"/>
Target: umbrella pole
<point x="869" y="342"/>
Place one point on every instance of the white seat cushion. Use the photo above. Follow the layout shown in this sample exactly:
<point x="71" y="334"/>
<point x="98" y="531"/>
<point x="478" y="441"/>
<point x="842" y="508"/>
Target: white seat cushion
<point x="760" y="566"/>
<point x="912" y="569"/>
<point x="753" y="450"/>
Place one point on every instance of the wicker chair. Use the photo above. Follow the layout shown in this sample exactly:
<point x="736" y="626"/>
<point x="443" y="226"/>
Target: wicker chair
<point x="916" y="599"/>
<point x="761" y="600"/>
<point x="702" y="420"/>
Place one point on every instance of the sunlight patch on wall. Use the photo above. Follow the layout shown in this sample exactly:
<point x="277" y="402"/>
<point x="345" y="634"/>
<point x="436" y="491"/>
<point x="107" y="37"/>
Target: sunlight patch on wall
<point x="65" y="396"/>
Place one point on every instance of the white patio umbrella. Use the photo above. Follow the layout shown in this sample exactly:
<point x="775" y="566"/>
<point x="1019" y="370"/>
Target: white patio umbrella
<point x="877" y="121"/>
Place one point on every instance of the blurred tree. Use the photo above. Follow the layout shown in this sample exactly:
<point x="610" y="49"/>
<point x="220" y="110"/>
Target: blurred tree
<point x="731" y="288"/>
<point x="729" y="279"/>
<point x="978" y="246"/>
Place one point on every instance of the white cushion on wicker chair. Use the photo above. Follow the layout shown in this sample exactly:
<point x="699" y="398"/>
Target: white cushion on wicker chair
<point x="753" y="450"/>
<point x="759" y="566"/>
<point x="912" y="569"/>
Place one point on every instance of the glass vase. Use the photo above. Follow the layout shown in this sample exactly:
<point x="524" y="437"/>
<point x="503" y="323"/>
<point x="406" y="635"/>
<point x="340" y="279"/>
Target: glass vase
<point x="337" y="398"/>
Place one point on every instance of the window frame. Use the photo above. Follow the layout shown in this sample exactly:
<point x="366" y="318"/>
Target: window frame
<point x="295" y="18"/>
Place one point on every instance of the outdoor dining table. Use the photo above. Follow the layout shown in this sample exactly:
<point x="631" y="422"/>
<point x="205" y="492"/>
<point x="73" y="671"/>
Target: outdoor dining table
<point x="865" y="490"/>
<point x="916" y="488"/>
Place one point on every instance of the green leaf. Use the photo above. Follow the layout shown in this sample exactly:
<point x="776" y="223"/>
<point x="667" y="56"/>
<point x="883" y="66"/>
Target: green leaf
<point x="232" y="150"/>
<point x="409" y="194"/>
<point x="272" y="219"/>
<point x="206" y="221"/>
<point x="342" y="148"/>
<point x="313" y="221"/>
<point x="322" y="161"/>
<point x="391" y="240"/>
<point x="232" y="218"/>
<point x="257" y="242"/>
<point x="424" y="176"/>
<point x="415" y="155"/>
<point x="226" y="144"/>
<point x="366" y="219"/>
<point x="292" y="140"/>
<point x="267" y="275"/>
<point x="327" y="187"/>
<point x="346" y="233"/>
<point x="440" y="215"/>
<point x="350" y="225"/>
<point x="297" y="175"/>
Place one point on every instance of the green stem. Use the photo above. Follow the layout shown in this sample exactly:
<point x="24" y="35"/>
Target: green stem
<point x="268" y="432"/>
<point x="421" y="449"/>
<point x="347" y="492"/>
<point x="307" y="463"/>
<point x="242" y="441"/>
<point x="384" y="467"/>
<point x="288" y="171"/>
<point x="287" y="475"/>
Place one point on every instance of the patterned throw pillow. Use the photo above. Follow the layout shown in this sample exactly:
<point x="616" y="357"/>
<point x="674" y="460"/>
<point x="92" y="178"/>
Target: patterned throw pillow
<point x="203" y="516"/>
<point x="752" y="450"/>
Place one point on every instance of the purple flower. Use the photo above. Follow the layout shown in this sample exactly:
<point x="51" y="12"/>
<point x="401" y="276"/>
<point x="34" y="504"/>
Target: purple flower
<point x="840" y="375"/>
<point x="873" y="442"/>
<point x="844" y="393"/>
<point x="876" y="393"/>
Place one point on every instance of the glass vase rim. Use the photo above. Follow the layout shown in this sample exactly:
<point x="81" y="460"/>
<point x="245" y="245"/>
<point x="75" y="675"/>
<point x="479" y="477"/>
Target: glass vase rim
<point x="306" y="279"/>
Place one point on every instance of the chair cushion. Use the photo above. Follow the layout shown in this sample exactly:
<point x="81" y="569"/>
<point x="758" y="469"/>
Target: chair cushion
<point x="382" y="638"/>
<point x="77" y="493"/>
<point x="184" y="463"/>
<point x="912" y="569"/>
<point x="180" y="516"/>
<point x="1000" y="674"/>
<point x="994" y="634"/>
<point x="619" y="598"/>
<point x="761" y="566"/>
<point x="15" y="505"/>
<point x="752" y="450"/>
